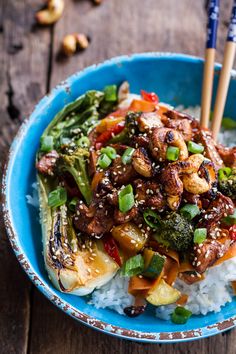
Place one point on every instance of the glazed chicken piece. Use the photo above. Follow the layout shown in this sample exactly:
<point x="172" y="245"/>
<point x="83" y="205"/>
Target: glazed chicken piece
<point x="95" y="220"/>
<point x="148" y="195"/>
<point x="206" y="254"/>
<point x="47" y="163"/>
<point x="121" y="174"/>
<point x="227" y="154"/>
<point x="141" y="162"/>
<point x="148" y="121"/>
<point x="179" y="122"/>
<point x="121" y="218"/>
<point x="221" y="207"/>
<point x="205" y="138"/>
<point x="141" y="141"/>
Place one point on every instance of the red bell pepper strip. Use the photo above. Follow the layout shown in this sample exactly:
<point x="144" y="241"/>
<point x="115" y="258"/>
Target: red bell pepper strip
<point x="150" y="96"/>
<point x="112" y="249"/>
<point x="108" y="134"/>
<point x="232" y="232"/>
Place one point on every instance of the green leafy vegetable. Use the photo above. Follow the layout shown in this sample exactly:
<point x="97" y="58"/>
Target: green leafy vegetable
<point x="57" y="197"/>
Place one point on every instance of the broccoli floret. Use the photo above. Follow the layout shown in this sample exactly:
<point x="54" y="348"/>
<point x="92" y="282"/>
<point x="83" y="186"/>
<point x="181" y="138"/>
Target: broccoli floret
<point x="175" y="232"/>
<point x="75" y="164"/>
<point x="228" y="185"/>
<point x="131" y="122"/>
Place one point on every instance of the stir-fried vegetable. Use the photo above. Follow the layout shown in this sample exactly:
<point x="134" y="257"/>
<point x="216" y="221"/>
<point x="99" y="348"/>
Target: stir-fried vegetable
<point x="162" y="294"/>
<point x="129" y="237"/>
<point x="126" y="198"/>
<point x="75" y="164"/>
<point x="227" y="184"/>
<point x="154" y="263"/>
<point x="57" y="197"/>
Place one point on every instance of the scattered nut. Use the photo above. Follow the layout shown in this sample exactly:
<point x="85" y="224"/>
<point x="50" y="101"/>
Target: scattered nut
<point x="97" y="2"/>
<point x="52" y="13"/>
<point x="72" y="42"/>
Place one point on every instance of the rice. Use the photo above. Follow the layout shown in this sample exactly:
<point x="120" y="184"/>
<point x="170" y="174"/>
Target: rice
<point x="113" y="295"/>
<point x="33" y="198"/>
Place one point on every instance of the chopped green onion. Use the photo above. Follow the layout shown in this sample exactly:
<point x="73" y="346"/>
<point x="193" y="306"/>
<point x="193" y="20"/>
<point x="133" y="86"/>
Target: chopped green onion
<point x="224" y="173"/>
<point x="84" y="142"/>
<point x="151" y="218"/>
<point x="180" y="315"/>
<point x="111" y="93"/>
<point x="104" y="161"/>
<point x="73" y="203"/>
<point x="57" y="197"/>
<point x="110" y="152"/>
<point x="189" y="211"/>
<point x="195" y="148"/>
<point x="133" y="266"/>
<point x="126" y="199"/>
<point x="46" y="143"/>
<point x="200" y="235"/>
<point x="172" y="153"/>
<point x="230" y="219"/>
<point x="127" y="156"/>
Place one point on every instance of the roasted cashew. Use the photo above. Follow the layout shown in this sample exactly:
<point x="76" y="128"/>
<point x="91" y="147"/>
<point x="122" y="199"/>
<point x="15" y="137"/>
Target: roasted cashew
<point x="201" y="181"/>
<point x="52" y="13"/>
<point x="72" y="42"/>
<point x="161" y="138"/>
<point x="182" y="175"/>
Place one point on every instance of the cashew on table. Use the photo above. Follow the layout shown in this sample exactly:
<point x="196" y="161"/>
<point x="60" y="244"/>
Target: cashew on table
<point x="72" y="42"/>
<point x="52" y="13"/>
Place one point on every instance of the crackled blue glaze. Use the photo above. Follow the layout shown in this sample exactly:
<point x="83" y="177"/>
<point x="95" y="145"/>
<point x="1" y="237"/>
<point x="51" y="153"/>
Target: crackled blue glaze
<point x="177" y="79"/>
<point x="212" y="25"/>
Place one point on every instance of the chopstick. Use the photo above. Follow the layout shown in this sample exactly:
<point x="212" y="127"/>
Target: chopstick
<point x="208" y="73"/>
<point x="229" y="54"/>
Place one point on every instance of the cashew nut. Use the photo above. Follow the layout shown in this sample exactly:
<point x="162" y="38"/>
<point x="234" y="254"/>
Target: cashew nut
<point x="52" y="13"/>
<point x="200" y="177"/>
<point x="161" y="138"/>
<point x="72" y="42"/>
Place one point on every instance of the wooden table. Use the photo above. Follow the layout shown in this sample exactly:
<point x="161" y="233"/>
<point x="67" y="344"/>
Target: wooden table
<point x="30" y="67"/>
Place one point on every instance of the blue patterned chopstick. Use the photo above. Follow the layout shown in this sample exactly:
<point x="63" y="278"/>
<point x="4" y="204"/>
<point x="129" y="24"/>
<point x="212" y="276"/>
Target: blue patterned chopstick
<point x="232" y="26"/>
<point x="212" y="26"/>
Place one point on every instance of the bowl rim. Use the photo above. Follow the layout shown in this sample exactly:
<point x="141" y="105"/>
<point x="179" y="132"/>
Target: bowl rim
<point x="105" y="327"/>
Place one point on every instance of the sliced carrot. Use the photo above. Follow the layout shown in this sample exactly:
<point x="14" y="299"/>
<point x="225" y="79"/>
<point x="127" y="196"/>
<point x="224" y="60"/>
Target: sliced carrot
<point x="185" y="266"/>
<point x="139" y="286"/>
<point x="141" y="105"/>
<point x="171" y="271"/>
<point x="233" y="283"/>
<point x="182" y="300"/>
<point x="96" y="179"/>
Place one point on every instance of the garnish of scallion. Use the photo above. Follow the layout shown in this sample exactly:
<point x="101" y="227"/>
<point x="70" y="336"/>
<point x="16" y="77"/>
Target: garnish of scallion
<point x="200" y="235"/>
<point x="127" y="156"/>
<point x="195" y="148"/>
<point x="180" y="315"/>
<point x="189" y="211"/>
<point x="126" y="199"/>
<point x="104" y="161"/>
<point x="133" y="266"/>
<point x="172" y="153"/>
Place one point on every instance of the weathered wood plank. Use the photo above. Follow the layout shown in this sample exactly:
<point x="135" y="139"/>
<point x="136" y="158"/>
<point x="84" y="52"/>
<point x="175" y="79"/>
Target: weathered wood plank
<point x="122" y="27"/>
<point x="23" y="62"/>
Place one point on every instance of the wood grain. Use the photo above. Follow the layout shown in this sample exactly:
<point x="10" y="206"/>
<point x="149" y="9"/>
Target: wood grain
<point x="23" y="63"/>
<point x="30" y="65"/>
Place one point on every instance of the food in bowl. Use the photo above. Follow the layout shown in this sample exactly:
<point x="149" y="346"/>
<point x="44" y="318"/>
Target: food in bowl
<point x="137" y="205"/>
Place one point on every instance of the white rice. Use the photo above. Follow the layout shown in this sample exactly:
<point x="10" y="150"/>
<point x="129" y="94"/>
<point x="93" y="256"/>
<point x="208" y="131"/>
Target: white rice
<point x="33" y="199"/>
<point x="113" y="295"/>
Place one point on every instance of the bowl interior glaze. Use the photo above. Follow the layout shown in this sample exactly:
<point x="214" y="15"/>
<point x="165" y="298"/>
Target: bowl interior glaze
<point x="177" y="80"/>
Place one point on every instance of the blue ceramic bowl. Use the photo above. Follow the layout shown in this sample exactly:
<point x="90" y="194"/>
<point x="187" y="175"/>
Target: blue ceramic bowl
<point x="177" y="80"/>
